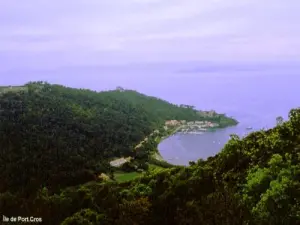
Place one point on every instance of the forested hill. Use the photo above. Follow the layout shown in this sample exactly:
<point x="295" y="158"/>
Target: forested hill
<point x="47" y="136"/>
<point x="55" y="136"/>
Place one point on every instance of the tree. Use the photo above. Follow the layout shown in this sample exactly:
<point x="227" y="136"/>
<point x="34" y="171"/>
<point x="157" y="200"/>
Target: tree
<point x="279" y="120"/>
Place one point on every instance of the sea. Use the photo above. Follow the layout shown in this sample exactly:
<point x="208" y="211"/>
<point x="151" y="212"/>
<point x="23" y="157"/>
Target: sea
<point x="255" y="98"/>
<point x="253" y="94"/>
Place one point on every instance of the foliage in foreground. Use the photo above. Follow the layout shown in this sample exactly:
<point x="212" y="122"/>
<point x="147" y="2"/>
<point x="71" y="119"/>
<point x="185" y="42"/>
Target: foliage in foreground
<point x="252" y="181"/>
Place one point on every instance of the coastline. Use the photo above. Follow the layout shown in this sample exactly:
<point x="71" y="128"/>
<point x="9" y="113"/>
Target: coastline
<point x="150" y="143"/>
<point x="199" y="129"/>
<point x="155" y="153"/>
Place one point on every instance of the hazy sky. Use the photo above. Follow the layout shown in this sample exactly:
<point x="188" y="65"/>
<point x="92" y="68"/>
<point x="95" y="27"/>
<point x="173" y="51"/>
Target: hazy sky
<point x="51" y="33"/>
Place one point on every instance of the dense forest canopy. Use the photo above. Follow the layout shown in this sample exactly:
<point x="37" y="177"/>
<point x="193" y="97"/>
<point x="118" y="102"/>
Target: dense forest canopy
<point x="53" y="138"/>
<point x="56" y="136"/>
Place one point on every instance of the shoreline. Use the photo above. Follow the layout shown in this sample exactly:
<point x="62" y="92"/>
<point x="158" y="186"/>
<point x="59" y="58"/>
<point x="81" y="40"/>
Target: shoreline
<point x="156" y="154"/>
<point x="176" y="129"/>
<point x="170" y="128"/>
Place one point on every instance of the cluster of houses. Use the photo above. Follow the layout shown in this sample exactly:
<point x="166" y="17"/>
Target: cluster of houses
<point x="202" y="124"/>
<point x="173" y="123"/>
<point x="192" y="126"/>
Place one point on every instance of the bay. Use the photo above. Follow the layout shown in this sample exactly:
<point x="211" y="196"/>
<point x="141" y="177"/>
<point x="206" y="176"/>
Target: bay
<point x="255" y="99"/>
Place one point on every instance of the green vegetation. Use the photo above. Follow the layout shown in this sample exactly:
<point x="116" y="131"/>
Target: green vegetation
<point x="121" y="177"/>
<point x="53" y="136"/>
<point x="5" y="89"/>
<point x="54" y="141"/>
<point x="154" y="167"/>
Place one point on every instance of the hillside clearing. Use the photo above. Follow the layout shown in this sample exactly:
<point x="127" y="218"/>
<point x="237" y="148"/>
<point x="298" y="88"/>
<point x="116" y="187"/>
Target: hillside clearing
<point x="123" y="177"/>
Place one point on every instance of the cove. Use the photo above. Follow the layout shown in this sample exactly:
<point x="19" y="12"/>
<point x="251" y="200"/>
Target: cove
<point x="252" y="100"/>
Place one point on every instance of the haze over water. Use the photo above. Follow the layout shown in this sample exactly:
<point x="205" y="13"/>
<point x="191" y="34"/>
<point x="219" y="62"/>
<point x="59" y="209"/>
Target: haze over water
<point x="254" y="98"/>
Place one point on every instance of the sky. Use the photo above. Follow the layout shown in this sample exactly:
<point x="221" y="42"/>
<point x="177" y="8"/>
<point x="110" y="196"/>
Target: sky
<point x="49" y="34"/>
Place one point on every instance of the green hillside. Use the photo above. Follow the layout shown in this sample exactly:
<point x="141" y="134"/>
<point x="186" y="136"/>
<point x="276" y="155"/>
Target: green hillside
<point x="53" y="136"/>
